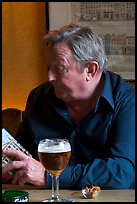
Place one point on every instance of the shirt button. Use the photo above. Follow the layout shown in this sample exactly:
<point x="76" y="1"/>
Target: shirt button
<point x="74" y="132"/>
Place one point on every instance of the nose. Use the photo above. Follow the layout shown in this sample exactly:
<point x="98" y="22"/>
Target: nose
<point x="51" y="76"/>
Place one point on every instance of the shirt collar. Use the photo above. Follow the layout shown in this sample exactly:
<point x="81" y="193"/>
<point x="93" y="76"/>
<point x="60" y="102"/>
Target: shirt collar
<point x="107" y="90"/>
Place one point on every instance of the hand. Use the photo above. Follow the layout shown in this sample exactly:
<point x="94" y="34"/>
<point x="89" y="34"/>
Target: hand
<point x="28" y="170"/>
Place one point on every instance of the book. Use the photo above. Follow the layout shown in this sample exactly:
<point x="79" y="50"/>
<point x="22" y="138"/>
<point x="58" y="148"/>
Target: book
<point x="9" y="142"/>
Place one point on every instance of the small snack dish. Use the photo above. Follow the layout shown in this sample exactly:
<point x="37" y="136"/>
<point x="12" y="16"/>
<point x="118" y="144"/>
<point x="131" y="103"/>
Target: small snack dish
<point x="15" y="196"/>
<point x="91" y="192"/>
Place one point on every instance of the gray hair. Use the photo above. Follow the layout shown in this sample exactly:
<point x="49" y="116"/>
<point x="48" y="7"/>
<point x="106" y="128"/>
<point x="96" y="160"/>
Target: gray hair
<point x="85" y="44"/>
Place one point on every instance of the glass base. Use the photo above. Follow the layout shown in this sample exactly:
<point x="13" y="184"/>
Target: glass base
<point x="60" y="200"/>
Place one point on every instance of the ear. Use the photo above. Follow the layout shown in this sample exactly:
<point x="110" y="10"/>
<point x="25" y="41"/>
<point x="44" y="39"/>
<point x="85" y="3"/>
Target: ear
<point x="92" y="68"/>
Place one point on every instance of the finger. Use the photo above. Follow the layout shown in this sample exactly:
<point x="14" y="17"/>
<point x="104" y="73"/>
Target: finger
<point x="13" y="165"/>
<point x="15" y="153"/>
<point x="17" y="176"/>
<point x="6" y="177"/>
<point x="22" y="180"/>
<point x="6" y="169"/>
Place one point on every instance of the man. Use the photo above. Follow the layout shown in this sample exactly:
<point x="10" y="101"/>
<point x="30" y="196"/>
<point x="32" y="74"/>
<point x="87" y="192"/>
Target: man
<point x="83" y="102"/>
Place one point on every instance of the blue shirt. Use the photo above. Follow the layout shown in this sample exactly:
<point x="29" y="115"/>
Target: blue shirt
<point x="103" y="143"/>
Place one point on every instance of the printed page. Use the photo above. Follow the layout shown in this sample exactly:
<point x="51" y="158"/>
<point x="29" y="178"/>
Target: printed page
<point x="9" y="142"/>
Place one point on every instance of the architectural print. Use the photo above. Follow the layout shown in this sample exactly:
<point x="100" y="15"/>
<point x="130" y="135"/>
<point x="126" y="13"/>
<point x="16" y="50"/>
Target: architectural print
<point x="115" y="23"/>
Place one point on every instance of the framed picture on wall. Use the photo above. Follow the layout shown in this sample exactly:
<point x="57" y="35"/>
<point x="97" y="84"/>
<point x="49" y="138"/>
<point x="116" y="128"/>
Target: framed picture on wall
<point x="113" y="21"/>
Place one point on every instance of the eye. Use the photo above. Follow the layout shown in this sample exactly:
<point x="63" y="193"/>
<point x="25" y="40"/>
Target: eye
<point x="61" y="70"/>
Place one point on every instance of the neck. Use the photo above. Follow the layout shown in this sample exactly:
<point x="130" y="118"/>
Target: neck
<point x="81" y="108"/>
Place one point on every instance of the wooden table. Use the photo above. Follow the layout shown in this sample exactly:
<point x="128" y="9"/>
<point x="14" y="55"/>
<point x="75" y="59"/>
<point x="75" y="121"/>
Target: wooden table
<point x="37" y="194"/>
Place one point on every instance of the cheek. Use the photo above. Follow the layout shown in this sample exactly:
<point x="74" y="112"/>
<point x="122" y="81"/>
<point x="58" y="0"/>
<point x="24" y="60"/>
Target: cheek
<point x="70" y="86"/>
<point x="73" y="82"/>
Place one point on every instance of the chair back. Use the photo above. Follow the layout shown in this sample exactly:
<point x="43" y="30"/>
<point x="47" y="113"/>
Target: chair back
<point x="11" y="119"/>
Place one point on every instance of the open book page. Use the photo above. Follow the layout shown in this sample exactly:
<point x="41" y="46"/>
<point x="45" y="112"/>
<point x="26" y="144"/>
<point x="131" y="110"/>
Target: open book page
<point x="9" y="142"/>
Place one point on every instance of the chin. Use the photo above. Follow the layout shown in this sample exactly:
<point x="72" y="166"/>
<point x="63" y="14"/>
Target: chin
<point x="60" y="95"/>
<point x="63" y="97"/>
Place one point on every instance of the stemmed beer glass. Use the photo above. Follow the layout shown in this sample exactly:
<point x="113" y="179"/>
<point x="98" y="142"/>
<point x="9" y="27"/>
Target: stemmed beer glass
<point x="54" y="154"/>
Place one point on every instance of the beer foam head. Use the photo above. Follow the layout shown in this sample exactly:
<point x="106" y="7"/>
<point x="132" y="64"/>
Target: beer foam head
<point x="54" y="147"/>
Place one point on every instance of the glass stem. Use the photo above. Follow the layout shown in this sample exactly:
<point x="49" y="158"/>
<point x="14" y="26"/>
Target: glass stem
<point x="55" y="188"/>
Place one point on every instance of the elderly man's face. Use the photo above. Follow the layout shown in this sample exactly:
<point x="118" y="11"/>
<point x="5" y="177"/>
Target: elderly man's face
<point x="63" y="72"/>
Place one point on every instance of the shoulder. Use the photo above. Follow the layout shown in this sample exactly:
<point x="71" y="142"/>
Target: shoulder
<point x="37" y="94"/>
<point x="123" y="93"/>
<point x="120" y="86"/>
<point x="41" y="89"/>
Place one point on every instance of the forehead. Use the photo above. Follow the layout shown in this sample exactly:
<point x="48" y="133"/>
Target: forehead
<point x="59" y="51"/>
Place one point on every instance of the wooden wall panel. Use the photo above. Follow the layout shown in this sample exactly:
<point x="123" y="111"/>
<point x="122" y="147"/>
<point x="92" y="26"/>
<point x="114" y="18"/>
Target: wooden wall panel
<point x="23" y="63"/>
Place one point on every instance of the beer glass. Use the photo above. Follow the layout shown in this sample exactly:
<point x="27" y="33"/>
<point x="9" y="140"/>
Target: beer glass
<point x="54" y="154"/>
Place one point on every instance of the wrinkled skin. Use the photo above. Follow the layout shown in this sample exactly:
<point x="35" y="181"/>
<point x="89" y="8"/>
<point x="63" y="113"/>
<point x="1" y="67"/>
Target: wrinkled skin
<point x="28" y="169"/>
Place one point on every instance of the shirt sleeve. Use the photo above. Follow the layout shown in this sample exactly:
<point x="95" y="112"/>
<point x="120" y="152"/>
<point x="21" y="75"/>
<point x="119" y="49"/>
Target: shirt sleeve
<point x="117" y="170"/>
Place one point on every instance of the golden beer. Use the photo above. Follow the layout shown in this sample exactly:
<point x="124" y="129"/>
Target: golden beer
<point x="54" y="155"/>
<point x="54" y="163"/>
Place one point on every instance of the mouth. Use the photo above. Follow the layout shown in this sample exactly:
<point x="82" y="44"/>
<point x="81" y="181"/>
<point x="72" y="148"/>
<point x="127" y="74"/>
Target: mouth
<point x="55" y="85"/>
